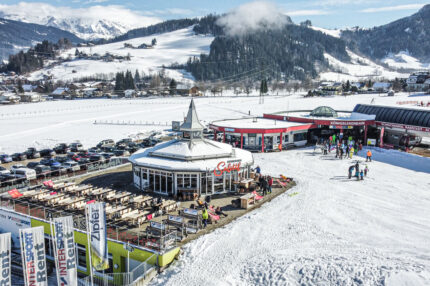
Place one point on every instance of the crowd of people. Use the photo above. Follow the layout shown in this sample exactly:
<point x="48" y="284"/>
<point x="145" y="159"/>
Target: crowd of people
<point x="346" y="148"/>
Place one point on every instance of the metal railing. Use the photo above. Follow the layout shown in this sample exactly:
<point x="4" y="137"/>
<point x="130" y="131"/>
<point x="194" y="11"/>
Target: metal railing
<point x="135" y="277"/>
<point x="63" y="174"/>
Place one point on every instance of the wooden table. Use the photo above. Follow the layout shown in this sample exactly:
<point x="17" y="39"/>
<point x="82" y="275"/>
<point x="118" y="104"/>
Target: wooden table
<point x="247" y="200"/>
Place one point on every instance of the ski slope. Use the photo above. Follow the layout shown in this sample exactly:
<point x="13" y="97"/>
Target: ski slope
<point x="172" y="47"/>
<point x="403" y="60"/>
<point x="359" y="68"/>
<point x="335" y="231"/>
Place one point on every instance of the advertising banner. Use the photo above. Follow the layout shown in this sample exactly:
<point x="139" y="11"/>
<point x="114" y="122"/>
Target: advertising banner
<point x="33" y="256"/>
<point x="98" y="235"/>
<point x="12" y="222"/>
<point x="5" y="262"/>
<point x="65" y="251"/>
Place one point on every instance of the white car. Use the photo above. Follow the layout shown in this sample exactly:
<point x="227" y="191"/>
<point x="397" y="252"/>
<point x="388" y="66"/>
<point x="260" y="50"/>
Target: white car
<point x="17" y="166"/>
<point x="71" y="166"/>
<point x="29" y="174"/>
<point x="4" y="171"/>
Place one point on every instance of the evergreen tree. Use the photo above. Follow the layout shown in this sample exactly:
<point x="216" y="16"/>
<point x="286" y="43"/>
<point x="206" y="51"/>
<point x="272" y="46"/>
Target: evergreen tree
<point x="20" y="88"/>
<point x="119" y="82"/>
<point x="172" y="86"/>
<point x="136" y="77"/>
<point x="263" y="86"/>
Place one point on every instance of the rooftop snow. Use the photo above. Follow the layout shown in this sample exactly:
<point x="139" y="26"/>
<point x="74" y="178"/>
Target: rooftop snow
<point x="261" y="123"/>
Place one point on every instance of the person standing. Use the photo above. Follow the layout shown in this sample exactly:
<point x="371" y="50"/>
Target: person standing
<point x="347" y="151"/>
<point x="258" y="170"/>
<point x="341" y="152"/>
<point x="366" y="169"/>
<point x="361" y="175"/>
<point x="351" y="152"/>
<point x="350" y="170"/>
<point x="270" y="183"/>
<point x="264" y="185"/>
<point x="205" y="217"/>
<point x="369" y="156"/>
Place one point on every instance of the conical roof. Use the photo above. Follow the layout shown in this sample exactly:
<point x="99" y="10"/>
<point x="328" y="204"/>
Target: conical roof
<point x="192" y="122"/>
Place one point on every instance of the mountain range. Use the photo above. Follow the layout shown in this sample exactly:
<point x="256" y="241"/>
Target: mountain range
<point x="289" y="50"/>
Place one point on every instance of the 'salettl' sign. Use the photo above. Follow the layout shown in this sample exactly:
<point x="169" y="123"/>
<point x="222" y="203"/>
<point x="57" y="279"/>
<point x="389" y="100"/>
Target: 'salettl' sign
<point x="226" y="167"/>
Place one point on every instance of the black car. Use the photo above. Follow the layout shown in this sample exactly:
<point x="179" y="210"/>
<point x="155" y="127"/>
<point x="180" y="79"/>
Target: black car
<point x="19" y="156"/>
<point x="97" y="158"/>
<point x="47" y="153"/>
<point x="42" y="171"/>
<point x="121" y="153"/>
<point x="32" y="165"/>
<point x="62" y="159"/>
<point x="107" y="149"/>
<point x="62" y="148"/>
<point x="58" y="170"/>
<point x="11" y="179"/>
<point x="107" y="155"/>
<point x="32" y="153"/>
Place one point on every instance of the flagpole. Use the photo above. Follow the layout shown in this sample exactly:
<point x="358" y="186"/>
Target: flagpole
<point x="89" y="245"/>
<point x="54" y="249"/>
<point x="24" y="268"/>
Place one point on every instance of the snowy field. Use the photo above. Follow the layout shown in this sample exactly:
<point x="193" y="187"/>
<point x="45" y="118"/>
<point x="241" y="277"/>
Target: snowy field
<point x="172" y="47"/>
<point x="44" y="124"/>
<point x="335" y="231"/>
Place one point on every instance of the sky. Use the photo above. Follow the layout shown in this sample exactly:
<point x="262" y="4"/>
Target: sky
<point x="323" y="13"/>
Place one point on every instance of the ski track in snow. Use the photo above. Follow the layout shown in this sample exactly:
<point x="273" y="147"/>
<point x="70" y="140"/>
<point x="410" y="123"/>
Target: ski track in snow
<point x="333" y="232"/>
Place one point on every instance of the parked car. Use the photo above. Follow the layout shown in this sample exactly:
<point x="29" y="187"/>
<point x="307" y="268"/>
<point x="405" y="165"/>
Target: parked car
<point x="121" y="153"/>
<point x="32" y="153"/>
<point x="47" y="153"/>
<point x="49" y="162"/>
<point x="17" y="166"/>
<point x="42" y="171"/>
<point x="62" y="148"/>
<point x="106" y="143"/>
<point x="124" y="142"/>
<point x="94" y="150"/>
<point x="11" y="179"/>
<point x="58" y="170"/>
<point x="28" y="174"/>
<point x="84" y="154"/>
<point x="3" y="170"/>
<point x="4" y="158"/>
<point x="107" y="155"/>
<point x="76" y="147"/>
<point x="18" y="156"/>
<point x="62" y="159"/>
<point x="71" y="166"/>
<point x="97" y="158"/>
<point x="108" y="149"/>
<point x="32" y="165"/>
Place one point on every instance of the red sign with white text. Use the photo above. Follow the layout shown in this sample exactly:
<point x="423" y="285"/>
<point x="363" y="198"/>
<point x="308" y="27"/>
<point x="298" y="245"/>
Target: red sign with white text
<point x="226" y="167"/>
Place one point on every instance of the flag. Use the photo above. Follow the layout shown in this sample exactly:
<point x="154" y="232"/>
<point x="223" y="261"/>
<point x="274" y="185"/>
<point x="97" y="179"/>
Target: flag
<point x="65" y="251"/>
<point x="34" y="257"/>
<point x="96" y="218"/>
<point x="5" y="261"/>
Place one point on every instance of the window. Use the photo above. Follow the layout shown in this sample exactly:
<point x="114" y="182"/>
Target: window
<point x="299" y="137"/>
<point x="286" y="139"/>
<point x="145" y="174"/>
<point x="82" y="259"/>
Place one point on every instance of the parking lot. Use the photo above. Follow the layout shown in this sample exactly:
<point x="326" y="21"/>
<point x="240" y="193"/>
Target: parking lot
<point x="65" y="160"/>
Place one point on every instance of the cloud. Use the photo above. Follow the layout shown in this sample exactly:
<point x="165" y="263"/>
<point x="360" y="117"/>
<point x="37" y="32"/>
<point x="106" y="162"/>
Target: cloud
<point x="95" y="1"/>
<point x="393" y="8"/>
<point x="307" y="12"/>
<point x="251" y="17"/>
<point x="39" y="13"/>
<point x="341" y="2"/>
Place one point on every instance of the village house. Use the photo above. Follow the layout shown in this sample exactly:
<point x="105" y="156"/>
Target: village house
<point x="381" y="86"/>
<point x="60" y="93"/>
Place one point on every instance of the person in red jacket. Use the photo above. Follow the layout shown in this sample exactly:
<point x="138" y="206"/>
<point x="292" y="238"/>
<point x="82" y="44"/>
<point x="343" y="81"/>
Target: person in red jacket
<point x="270" y="183"/>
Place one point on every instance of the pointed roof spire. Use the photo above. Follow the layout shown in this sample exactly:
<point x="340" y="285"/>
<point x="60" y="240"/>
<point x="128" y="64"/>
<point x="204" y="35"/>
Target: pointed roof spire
<point x="192" y="122"/>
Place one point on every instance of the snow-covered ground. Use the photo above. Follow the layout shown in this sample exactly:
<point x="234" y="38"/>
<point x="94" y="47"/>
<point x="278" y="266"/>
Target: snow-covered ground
<point x="405" y="61"/>
<point x="172" y="47"/>
<point x="44" y="124"/>
<point x="334" y="33"/>
<point x="359" y="68"/>
<point x="334" y="231"/>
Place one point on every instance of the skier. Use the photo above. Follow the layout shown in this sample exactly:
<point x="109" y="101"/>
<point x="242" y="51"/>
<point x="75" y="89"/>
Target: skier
<point x="369" y="156"/>
<point x="347" y="151"/>
<point x="337" y="151"/>
<point x="361" y="175"/>
<point x="341" y="152"/>
<point x="366" y="170"/>
<point x="357" y="174"/>
<point x="357" y="167"/>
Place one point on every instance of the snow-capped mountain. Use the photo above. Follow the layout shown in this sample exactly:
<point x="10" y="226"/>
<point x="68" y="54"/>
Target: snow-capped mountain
<point x="95" y="22"/>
